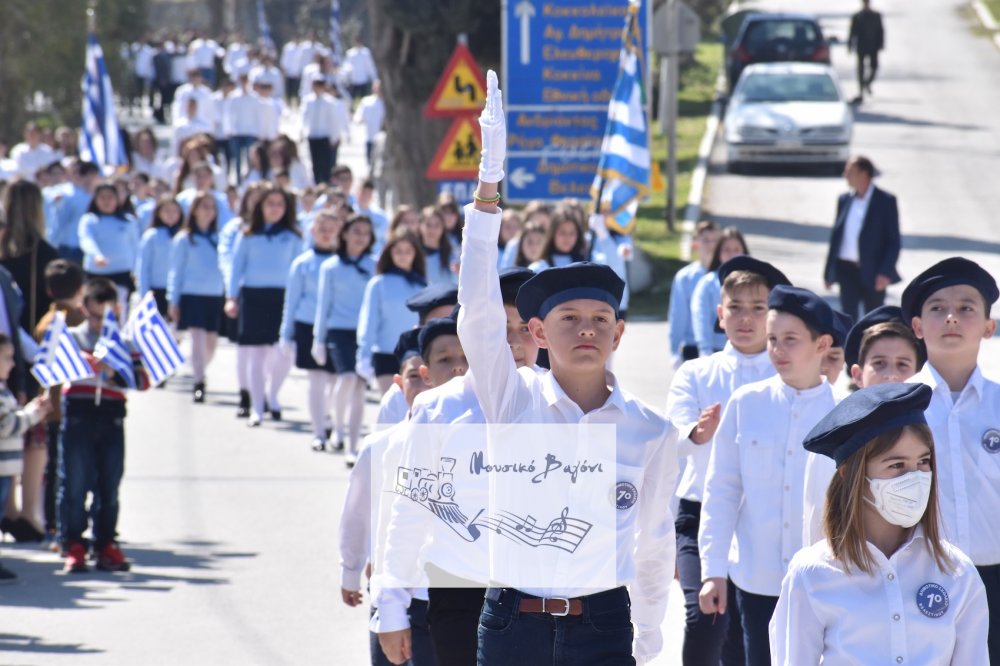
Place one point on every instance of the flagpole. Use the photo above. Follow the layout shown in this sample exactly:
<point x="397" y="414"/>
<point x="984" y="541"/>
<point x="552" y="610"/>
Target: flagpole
<point x="91" y="16"/>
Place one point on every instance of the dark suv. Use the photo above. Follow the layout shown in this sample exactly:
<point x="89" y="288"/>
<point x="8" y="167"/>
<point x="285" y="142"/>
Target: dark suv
<point x="776" y="38"/>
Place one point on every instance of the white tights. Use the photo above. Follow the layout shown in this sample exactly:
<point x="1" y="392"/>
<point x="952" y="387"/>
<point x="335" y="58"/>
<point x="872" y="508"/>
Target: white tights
<point x="243" y="367"/>
<point x="202" y="351"/>
<point x="349" y="398"/>
<point x="320" y="382"/>
<point x="270" y="364"/>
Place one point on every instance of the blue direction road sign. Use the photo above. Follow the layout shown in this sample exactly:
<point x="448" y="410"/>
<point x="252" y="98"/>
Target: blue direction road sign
<point x="560" y="63"/>
<point x="460" y="189"/>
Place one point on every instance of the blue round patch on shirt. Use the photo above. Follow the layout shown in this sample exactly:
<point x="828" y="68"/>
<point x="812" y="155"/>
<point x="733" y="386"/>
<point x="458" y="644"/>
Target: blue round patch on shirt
<point x="625" y="495"/>
<point x="932" y="600"/>
<point x="991" y="440"/>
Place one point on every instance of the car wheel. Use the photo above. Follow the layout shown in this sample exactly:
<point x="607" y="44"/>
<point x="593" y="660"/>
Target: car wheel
<point x="737" y="168"/>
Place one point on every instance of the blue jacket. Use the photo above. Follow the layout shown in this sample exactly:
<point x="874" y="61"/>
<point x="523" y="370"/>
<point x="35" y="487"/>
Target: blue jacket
<point x="342" y="288"/>
<point x="384" y="315"/>
<point x="154" y="259"/>
<point x="194" y="267"/>
<point x="878" y="243"/>
<point x="263" y="260"/>
<point x="116" y="238"/>
<point x="300" y="294"/>
<point x="71" y="208"/>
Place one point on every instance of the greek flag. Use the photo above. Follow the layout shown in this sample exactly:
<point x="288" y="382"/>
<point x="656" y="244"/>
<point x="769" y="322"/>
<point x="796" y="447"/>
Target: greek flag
<point x="111" y="349"/>
<point x="622" y="179"/>
<point x="336" y="47"/>
<point x="59" y="360"/>
<point x="149" y="333"/>
<point x="101" y="136"/>
<point x="263" y="27"/>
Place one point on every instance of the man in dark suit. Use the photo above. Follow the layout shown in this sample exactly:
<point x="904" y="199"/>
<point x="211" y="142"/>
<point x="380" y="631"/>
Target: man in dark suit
<point x="865" y="242"/>
<point x="866" y="39"/>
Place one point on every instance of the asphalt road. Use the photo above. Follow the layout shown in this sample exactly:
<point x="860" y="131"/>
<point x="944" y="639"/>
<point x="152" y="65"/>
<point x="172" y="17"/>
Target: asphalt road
<point x="233" y="531"/>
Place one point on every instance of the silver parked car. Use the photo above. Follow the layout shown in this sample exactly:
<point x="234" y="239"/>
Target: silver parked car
<point x="788" y="113"/>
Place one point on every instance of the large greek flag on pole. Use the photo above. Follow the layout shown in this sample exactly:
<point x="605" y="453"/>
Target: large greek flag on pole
<point x="622" y="179"/>
<point x="263" y="27"/>
<point x="101" y="138"/>
<point x="152" y="337"/>
<point x="336" y="48"/>
<point x="111" y="349"/>
<point x="59" y="360"/>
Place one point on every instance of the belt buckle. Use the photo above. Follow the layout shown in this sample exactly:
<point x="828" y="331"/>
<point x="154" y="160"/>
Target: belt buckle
<point x="553" y="613"/>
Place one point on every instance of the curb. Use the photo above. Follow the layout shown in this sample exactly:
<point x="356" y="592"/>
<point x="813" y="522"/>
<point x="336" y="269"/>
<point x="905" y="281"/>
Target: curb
<point x="692" y="211"/>
<point x="986" y="18"/>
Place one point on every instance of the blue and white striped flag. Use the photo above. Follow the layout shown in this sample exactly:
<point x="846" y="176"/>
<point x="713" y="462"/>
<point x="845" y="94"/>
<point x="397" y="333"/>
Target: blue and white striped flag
<point x="622" y="179"/>
<point x="152" y="337"/>
<point x="111" y="349"/>
<point x="336" y="47"/>
<point x="59" y="360"/>
<point x="263" y="28"/>
<point x="101" y="137"/>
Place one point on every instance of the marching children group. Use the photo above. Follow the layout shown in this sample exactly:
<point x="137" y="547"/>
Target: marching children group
<point x="810" y="529"/>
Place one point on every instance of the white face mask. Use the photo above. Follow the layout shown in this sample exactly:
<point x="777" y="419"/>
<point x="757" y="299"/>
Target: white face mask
<point x="902" y="500"/>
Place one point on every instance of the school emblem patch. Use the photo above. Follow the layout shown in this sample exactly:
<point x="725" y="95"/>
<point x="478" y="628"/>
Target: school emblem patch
<point x="625" y="495"/>
<point x="991" y="440"/>
<point x="932" y="600"/>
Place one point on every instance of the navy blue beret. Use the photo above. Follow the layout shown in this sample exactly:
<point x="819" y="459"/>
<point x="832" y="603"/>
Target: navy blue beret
<point x="408" y="345"/>
<point x="435" y="328"/>
<point x="745" y="262"/>
<point x="866" y="414"/>
<point x="432" y="297"/>
<point x="553" y="286"/>
<point x="842" y="322"/>
<point x="808" y="307"/>
<point x="511" y="279"/>
<point x="880" y="315"/>
<point x="948" y="273"/>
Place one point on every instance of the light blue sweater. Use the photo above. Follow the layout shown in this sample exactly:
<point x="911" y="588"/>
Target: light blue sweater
<point x="263" y="260"/>
<point x="300" y="294"/>
<point x="384" y="315"/>
<point x="114" y="238"/>
<point x="194" y="267"/>
<point x="154" y="259"/>
<point x="342" y="287"/>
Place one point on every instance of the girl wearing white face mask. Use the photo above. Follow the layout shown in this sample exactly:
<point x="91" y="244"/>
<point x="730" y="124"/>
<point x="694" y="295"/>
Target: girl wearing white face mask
<point x="884" y="586"/>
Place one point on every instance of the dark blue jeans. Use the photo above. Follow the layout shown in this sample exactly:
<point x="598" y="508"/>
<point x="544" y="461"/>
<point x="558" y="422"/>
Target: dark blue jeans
<point x="420" y="639"/>
<point x="991" y="579"/>
<point x="239" y="146"/>
<point x="755" y="614"/>
<point x="601" y="636"/>
<point x="92" y="457"/>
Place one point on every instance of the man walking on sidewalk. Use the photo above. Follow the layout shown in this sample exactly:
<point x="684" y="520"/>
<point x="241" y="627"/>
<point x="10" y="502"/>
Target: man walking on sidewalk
<point x="866" y="39"/>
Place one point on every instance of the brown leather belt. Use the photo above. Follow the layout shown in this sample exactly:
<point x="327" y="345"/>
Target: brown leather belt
<point x="559" y="606"/>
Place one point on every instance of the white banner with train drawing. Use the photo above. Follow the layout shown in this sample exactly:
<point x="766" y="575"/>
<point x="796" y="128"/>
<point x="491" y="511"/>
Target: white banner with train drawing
<point x="527" y="506"/>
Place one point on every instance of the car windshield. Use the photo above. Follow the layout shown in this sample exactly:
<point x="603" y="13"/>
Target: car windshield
<point x="763" y="33"/>
<point x="762" y="87"/>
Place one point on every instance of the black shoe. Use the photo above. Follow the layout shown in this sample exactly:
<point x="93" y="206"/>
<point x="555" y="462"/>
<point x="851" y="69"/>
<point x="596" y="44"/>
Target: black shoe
<point x="318" y="444"/>
<point x="338" y="445"/>
<point x="7" y="576"/>
<point x="244" y="409"/>
<point x="275" y="414"/>
<point x="199" y="392"/>
<point x="7" y="526"/>
<point x="24" y="532"/>
<point x="329" y="433"/>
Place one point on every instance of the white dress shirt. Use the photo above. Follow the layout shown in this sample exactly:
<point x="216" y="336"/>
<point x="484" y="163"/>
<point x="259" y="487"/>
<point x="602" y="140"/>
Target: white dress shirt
<point x="646" y="441"/>
<point x="856" y="212"/>
<point x="966" y="434"/>
<point x="241" y="114"/>
<point x="362" y="65"/>
<point x="370" y="113"/>
<point x="203" y="95"/>
<point x="324" y="117"/>
<point x="886" y="617"/>
<point x="29" y="160"/>
<point x="698" y="384"/>
<point x="754" y="488"/>
<point x="392" y="408"/>
<point x="816" y="479"/>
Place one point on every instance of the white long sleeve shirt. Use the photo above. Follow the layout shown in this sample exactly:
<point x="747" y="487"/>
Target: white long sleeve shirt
<point x="362" y="64"/>
<point x="201" y="94"/>
<point x="754" y="487"/>
<point x="967" y="442"/>
<point x="371" y="114"/>
<point x="646" y="441"/>
<point x="895" y="615"/>
<point x="698" y="384"/>
<point x="242" y="114"/>
<point x="324" y="117"/>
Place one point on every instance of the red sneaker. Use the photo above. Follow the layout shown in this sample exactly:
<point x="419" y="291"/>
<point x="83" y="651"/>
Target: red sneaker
<point x="76" y="559"/>
<point x="111" y="558"/>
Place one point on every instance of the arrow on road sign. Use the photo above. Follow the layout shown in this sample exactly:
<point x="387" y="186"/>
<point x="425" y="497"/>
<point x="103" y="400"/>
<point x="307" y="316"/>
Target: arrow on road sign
<point x="521" y="177"/>
<point x="524" y="10"/>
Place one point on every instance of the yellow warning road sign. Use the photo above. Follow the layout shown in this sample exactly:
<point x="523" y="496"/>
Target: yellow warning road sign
<point x="457" y="158"/>
<point x="461" y="88"/>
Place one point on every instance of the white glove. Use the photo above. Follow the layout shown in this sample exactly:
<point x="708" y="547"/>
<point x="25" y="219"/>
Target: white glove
<point x="318" y="352"/>
<point x="493" y="126"/>
<point x="364" y="368"/>
<point x="597" y="225"/>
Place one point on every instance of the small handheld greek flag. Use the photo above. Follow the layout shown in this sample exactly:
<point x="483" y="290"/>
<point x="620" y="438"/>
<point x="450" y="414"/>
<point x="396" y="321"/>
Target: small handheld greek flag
<point x="59" y="360"/>
<point x="622" y="179"/>
<point x="111" y="349"/>
<point x="152" y="337"/>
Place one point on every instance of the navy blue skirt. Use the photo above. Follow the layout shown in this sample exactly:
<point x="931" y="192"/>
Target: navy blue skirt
<point x="203" y="312"/>
<point x="342" y="349"/>
<point x="303" y="349"/>
<point x="160" y="296"/>
<point x="259" y="320"/>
